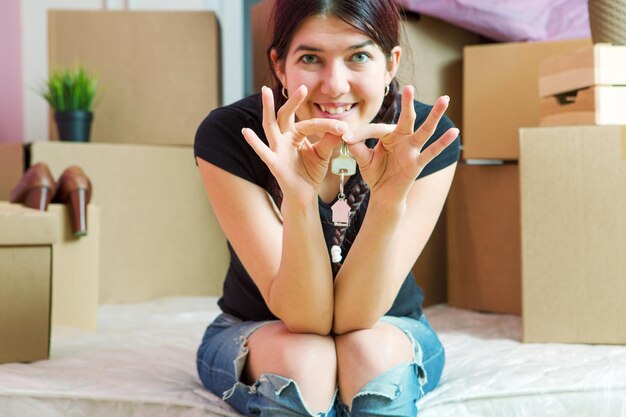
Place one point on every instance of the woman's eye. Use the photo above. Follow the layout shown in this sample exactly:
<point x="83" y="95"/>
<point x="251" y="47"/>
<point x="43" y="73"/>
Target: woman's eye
<point x="360" y="57"/>
<point x="309" y="59"/>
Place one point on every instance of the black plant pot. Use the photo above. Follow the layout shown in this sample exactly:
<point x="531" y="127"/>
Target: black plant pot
<point x="73" y="126"/>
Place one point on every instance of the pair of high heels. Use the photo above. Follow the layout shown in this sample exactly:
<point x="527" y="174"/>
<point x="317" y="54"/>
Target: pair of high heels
<point x="37" y="188"/>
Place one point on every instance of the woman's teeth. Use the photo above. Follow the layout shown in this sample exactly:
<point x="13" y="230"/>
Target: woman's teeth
<point x="336" y="110"/>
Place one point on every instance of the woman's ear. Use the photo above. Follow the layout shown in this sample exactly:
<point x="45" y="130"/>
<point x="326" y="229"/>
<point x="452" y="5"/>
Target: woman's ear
<point x="393" y="63"/>
<point x="278" y="66"/>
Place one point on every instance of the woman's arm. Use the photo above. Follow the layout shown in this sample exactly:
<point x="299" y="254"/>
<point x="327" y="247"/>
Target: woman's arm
<point x="286" y="258"/>
<point x="401" y="214"/>
<point x="390" y="240"/>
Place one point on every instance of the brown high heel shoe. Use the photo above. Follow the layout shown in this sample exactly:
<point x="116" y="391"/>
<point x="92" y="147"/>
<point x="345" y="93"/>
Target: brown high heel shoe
<point x="35" y="189"/>
<point x="74" y="189"/>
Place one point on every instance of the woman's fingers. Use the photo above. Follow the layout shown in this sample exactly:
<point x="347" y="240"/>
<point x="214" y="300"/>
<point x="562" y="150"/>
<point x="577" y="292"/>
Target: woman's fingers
<point x="427" y="129"/>
<point x="406" y="121"/>
<point x="287" y="113"/>
<point x="269" y="118"/>
<point x="261" y="149"/>
<point x="437" y="147"/>
<point x="319" y="127"/>
<point x="372" y="130"/>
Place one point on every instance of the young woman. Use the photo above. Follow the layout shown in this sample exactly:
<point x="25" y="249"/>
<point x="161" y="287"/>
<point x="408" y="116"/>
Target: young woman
<point x="321" y="314"/>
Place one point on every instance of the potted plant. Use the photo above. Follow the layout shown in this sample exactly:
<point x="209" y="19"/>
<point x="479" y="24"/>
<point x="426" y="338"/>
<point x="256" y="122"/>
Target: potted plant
<point x="71" y="93"/>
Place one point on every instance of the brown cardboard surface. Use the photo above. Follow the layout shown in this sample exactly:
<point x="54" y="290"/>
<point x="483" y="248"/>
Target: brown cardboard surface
<point x="598" y="104"/>
<point x="484" y="252"/>
<point x="25" y="280"/>
<point x="25" y="226"/>
<point x="500" y="94"/>
<point x="260" y="32"/>
<point x="158" y="70"/>
<point x="24" y="303"/>
<point x="573" y="234"/>
<point x="75" y="271"/>
<point x="599" y="64"/>
<point x="11" y="167"/>
<point x="158" y="234"/>
<point x="432" y="61"/>
<point x="431" y="268"/>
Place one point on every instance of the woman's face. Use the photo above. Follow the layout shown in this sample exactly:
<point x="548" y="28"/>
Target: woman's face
<point x="344" y="71"/>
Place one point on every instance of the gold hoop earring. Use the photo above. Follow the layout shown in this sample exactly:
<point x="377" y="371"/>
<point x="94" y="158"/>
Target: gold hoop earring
<point x="387" y="89"/>
<point x="284" y="92"/>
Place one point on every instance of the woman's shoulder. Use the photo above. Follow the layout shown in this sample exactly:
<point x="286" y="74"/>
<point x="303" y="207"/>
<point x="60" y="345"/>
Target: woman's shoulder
<point x="245" y="110"/>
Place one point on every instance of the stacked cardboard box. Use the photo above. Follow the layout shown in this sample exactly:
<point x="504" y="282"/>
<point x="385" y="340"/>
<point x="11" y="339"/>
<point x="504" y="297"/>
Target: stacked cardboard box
<point x="11" y="167"/>
<point x="586" y="86"/>
<point x="500" y="95"/>
<point x="25" y="282"/>
<point x="572" y="199"/>
<point x="573" y="234"/>
<point x="158" y="234"/>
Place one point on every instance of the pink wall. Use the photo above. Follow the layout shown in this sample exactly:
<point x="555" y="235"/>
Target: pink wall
<point x="11" y="112"/>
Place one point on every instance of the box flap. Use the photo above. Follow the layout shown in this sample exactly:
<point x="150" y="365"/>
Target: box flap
<point x="600" y="64"/>
<point x="20" y="225"/>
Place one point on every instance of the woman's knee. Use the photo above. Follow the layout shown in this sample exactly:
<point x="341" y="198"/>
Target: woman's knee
<point x="301" y="366"/>
<point x="364" y="355"/>
<point x="274" y="349"/>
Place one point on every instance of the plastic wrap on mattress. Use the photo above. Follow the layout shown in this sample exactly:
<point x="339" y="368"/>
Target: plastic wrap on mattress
<point x="511" y="20"/>
<point x="141" y="362"/>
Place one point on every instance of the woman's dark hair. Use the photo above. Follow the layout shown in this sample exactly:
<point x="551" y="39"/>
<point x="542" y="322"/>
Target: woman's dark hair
<point x="377" y="19"/>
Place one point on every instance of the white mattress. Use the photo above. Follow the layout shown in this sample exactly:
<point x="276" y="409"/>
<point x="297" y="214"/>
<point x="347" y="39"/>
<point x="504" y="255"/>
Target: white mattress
<point x="142" y="363"/>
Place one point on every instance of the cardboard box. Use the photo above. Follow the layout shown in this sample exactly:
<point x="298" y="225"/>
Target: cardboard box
<point x="431" y="268"/>
<point x="596" y="105"/>
<point x="25" y="282"/>
<point x="158" y="234"/>
<point x="598" y="64"/>
<point x="75" y="270"/>
<point x="586" y="86"/>
<point x="158" y="71"/>
<point x="500" y="90"/>
<point x="484" y="249"/>
<point x="574" y="234"/>
<point x="431" y="59"/>
<point x="11" y="167"/>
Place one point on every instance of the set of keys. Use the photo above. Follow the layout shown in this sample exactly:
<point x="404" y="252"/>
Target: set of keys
<point x="343" y="165"/>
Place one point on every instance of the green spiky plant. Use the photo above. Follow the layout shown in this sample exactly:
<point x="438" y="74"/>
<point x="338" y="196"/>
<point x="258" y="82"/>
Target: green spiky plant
<point x="70" y="90"/>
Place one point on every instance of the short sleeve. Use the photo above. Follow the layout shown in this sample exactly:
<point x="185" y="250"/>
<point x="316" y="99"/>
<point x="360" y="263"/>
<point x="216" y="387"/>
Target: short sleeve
<point x="220" y="142"/>
<point x="450" y="154"/>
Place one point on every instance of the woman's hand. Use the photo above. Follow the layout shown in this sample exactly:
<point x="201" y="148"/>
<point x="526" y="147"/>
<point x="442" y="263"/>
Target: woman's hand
<point x="298" y="165"/>
<point x="397" y="159"/>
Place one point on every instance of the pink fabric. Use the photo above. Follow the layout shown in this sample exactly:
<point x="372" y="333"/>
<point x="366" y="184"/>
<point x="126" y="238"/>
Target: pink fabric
<point x="11" y="112"/>
<point x="511" y="20"/>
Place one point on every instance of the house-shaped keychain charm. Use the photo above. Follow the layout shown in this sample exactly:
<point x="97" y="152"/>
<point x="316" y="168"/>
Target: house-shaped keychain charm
<point x="341" y="213"/>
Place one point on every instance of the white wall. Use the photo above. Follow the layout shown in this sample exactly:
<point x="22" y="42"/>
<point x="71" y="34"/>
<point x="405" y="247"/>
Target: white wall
<point x="35" y="47"/>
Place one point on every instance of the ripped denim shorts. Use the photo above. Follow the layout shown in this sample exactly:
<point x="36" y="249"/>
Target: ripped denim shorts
<point x="223" y="352"/>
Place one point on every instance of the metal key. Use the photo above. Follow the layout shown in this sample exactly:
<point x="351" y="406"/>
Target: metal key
<point x="344" y="163"/>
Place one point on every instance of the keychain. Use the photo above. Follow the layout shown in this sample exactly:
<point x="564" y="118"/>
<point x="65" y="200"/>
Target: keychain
<point x="342" y="165"/>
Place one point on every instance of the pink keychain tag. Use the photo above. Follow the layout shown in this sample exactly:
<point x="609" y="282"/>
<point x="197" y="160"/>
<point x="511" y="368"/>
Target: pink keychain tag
<point x="341" y="213"/>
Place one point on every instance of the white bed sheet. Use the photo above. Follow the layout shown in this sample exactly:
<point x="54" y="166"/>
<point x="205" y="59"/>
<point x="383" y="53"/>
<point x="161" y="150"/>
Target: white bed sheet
<point x="141" y="362"/>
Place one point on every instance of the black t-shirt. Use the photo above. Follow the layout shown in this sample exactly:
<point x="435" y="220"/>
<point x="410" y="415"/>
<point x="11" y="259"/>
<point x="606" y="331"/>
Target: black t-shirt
<point x="219" y="141"/>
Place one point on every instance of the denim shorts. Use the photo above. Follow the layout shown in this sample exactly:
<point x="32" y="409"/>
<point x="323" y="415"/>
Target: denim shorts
<point x="223" y="352"/>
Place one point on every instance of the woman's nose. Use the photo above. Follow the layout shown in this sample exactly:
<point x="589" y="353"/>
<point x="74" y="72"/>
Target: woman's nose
<point x="336" y="79"/>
